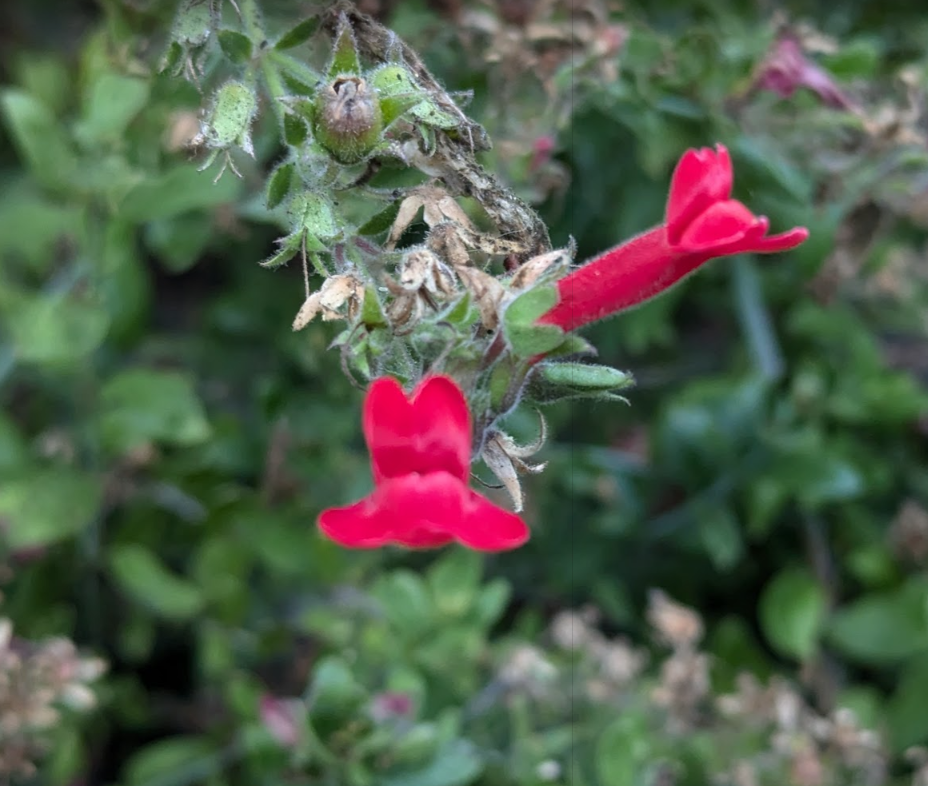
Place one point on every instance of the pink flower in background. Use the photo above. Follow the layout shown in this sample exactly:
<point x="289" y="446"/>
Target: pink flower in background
<point x="786" y="68"/>
<point x="279" y="717"/>
<point x="420" y="457"/>
<point x="701" y="222"/>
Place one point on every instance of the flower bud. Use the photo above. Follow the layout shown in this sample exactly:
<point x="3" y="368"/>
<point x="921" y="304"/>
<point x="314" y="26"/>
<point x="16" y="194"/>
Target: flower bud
<point x="234" y="109"/>
<point x="347" y="119"/>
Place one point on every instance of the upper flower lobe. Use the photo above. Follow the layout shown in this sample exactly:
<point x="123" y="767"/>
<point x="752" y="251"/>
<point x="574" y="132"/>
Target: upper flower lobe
<point x="420" y="457"/>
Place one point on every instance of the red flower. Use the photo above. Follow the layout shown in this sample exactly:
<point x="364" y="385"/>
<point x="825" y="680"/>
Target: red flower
<point x="420" y="457"/>
<point x="786" y="69"/>
<point x="702" y="222"/>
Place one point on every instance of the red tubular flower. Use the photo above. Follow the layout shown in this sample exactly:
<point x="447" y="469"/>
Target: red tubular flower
<point x="420" y="457"/>
<point x="701" y="222"/>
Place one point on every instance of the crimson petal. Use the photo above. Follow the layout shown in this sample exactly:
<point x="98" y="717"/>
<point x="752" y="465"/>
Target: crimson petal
<point x="701" y="178"/>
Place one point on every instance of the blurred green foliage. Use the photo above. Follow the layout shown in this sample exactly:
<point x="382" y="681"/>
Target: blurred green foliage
<point x="166" y="441"/>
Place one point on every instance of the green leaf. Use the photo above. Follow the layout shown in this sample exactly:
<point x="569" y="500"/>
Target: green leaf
<point x="13" y="452"/>
<point x="144" y="405"/>
<point x="405" y="601"/>
<point x="492" y="601"/>
<point x="344" y="53"/>
<point x="372" y="315"/>
<point x="334" y="694"/>
<point x="622" y="751"/>
<point x="54" y="330"/>
<point x="905" y="713"/>
<point x="455" y="581"/>
<point x="158" y="763"/>
<point x="39" y="138"/>
<point x="112" y="102"/>
<point x="298" y="34"/>
<point x="883" y="628"/>
<point x="296" y="131"/>
<point x="176" y="191"/>
<point x="721" y="536"/>
<point x="48" y="505"/>
<point x="381" y="221"/>
<point x="287" y="248"/>
<point x="526" y="338"/>
<point x="457" y="763"/>
<point x="278" y="185"/>
<point x="235" y="46"/>
<point x="145" y="580"/>
<point x="179" y="241"/>
<point x="792" y="611"/>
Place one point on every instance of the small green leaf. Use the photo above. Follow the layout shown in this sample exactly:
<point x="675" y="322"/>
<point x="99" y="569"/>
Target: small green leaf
<point x="622" y="751"/>
<point x="143" y="405"/>
<point x="235" y="46"/>
<point x="380" y="222"/>
<point x="143" y="577"/>
<point x="455" y="581"/>
<point x="111" y="104"/>
<point x="279" y="184"/>
<point x="178" y="190"/>
<point x="39" y="138"/>
<point x="883" y="628"/>
<point x="334" y="694"/>
<point x="344" y="53"/>
<point x="289" y="246"/>
<point x="49" y="329"/>
<point x="372" y="315"/>
<point x="527" y="338"/>
<point x="405" y="601"/>
<point x="791" y="611"/>
<point x="298" y="34"/>
<point x="296" y="131"/>
<point x="159" y="762"/>
<point x="47" y="506"/>
<point x="905" y="713"/>
<point x="457" y="763"/>
<point x="492" y="601"/>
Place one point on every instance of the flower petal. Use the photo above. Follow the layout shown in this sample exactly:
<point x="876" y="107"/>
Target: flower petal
<point x="723" y="224"/>
<point x="424" y="511"/>
<point x="701" y="178"/>
<point x="487" y="527"/>
<point x="431" y="432"/>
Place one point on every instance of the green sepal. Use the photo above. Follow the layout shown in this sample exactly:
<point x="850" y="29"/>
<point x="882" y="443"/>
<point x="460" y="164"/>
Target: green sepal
<point x="380" y="222"/>
<point x="278" y="185"/>
<point x="372" y="315"/>
<point x="525" y="337"/>
<point x="345" y="58"/>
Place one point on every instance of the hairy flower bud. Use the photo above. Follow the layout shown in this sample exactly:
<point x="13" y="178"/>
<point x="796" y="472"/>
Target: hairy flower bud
<point x="347" y="119"/>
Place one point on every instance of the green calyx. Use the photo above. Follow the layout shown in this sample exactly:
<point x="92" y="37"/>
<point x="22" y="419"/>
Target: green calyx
<point x="347" y="119"/>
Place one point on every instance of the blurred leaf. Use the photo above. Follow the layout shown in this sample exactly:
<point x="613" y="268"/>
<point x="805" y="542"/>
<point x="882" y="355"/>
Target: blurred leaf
<point x="143" y="405"/>
<point x="146" y="581"/>
<point x="334" y="695"/>
<point x="622" y="751"/>
<point x="40" y="139"/>
<point x="792" y="610"/>
<point x="457" y="763"/>
<point x="905" y="713"/>
<point x="405" y="601"/>
<point x="54" y="329"/>
<point x="160" y="763"/>
<point x="48" y="505"/>
<point x="111" y="103"/>
<point x="13" y="452"/>
<point x="455" y="581"/>
<point x="883" y="628"/>
<point x="278" y="186"/>
<point x="177" y="190"/>
<point x="721" y="536"/>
